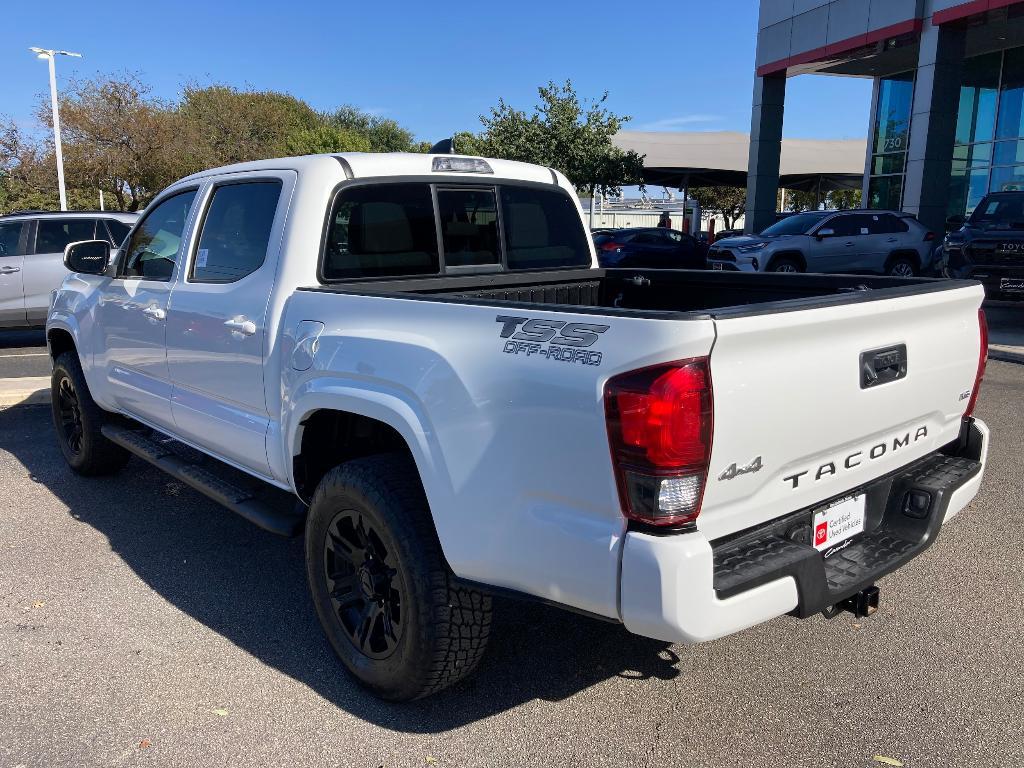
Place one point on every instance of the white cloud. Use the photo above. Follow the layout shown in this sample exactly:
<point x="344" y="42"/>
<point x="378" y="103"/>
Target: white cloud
<point x="674" y="123"/>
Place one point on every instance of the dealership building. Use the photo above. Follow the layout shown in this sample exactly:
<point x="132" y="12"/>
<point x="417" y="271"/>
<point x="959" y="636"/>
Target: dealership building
<point x="947" y="111"/>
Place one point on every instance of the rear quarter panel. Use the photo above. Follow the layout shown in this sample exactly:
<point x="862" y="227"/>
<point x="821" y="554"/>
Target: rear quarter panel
<point x="511" y="445"/>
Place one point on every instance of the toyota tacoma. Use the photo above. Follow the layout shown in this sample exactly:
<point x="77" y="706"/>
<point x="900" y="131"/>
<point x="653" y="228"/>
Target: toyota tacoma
<point x="414" y="362"/>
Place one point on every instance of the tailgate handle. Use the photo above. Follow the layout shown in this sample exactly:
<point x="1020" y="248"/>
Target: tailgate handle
<point x="880" y="366"/>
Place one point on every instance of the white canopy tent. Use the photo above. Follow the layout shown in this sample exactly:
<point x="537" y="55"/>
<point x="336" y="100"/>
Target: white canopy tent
<point x="719" y="158"/>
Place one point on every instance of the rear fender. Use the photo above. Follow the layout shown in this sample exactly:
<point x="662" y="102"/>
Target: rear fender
<point x="391" y="406"/>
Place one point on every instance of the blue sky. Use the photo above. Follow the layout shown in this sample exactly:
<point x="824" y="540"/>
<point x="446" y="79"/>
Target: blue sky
<point x="433" y="66"/>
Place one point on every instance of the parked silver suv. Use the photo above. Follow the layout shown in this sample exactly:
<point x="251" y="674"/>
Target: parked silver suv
<point x="32" y="256"/>
<point x="879" y="242"/>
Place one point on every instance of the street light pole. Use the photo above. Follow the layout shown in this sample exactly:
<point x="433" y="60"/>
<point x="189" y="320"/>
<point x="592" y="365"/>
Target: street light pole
<point x="50" y="55"/>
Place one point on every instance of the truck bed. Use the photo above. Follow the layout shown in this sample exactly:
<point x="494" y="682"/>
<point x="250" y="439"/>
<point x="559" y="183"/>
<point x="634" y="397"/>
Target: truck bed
<point x="675" y="294"/>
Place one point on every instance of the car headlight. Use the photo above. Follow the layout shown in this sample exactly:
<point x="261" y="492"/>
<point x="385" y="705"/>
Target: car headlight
<point x="752" y="247"/>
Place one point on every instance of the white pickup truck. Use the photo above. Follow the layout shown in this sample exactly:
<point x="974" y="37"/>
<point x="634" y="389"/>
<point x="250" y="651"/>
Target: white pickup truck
<point x="421" y="349"/>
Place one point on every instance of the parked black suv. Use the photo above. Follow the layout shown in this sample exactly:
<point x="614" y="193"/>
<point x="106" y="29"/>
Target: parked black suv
<point x="990" y="246"/>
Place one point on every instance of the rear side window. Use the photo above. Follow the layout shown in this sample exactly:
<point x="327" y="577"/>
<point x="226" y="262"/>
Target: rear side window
<point x="236" y="231"/>
<point x="52" y="235"/>
<point x="10" y="238"/>
<point x="382" y="230"/>
<point x="542" y="229"/>
<point x="469" y="227"/>
<point x="887" y="224"/>
<point x="846" y="226"/>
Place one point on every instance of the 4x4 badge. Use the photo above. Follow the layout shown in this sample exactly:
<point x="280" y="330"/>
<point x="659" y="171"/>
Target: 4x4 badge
<point x="734" y="471"/>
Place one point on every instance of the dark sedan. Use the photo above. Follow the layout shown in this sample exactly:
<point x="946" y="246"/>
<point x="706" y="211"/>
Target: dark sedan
<point x="655" y="248"/>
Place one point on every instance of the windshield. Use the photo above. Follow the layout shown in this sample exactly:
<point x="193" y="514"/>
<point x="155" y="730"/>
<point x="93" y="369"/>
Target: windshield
<point x="1001" y="212"/>
<point x="794" y="225"/>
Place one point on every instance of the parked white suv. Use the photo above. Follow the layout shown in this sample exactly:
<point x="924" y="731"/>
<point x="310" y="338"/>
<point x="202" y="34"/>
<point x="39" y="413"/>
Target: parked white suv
<point x="422" y="351"/>
<point x="844" y="242"/>
<point x="32" y="257"/>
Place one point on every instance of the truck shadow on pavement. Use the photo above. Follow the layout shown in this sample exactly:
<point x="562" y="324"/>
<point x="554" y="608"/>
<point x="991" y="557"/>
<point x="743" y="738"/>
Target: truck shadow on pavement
<point x="249" y="586"/>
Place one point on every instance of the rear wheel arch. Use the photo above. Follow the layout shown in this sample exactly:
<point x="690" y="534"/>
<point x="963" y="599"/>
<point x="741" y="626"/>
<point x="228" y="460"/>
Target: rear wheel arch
<point x="911" y="256"/>
<point x="327" y="437"/>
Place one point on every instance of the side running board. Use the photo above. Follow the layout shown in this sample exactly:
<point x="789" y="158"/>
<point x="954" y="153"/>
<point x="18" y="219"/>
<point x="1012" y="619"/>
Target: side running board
<point x="235" y="498"/>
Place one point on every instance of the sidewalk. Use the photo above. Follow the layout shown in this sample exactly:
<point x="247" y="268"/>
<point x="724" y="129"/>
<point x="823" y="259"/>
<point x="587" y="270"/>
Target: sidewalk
<point x="1005" y="330"/>
<point x="28" y="390"/>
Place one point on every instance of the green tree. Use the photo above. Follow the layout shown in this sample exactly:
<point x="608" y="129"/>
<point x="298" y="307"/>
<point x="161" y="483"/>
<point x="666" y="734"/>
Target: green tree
<point x="840" y="200"/>
<point x="728" y="202"/>
<point x="222" y="125"/>
<point x="563" y="132"/>
<point x="119" y="139"/>
<point x="382" y="134"/>
<point x="325" y="138"/>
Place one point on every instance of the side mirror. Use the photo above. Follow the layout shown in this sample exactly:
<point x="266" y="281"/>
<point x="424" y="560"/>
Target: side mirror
<point x="821" y="234"/>
<point x="88" y="257"/>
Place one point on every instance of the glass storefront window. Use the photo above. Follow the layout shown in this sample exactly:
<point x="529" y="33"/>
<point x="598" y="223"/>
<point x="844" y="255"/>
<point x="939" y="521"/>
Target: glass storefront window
<point x="1011" y="96"/>
<point x="991" y="107"/>
<point x="1009" y="153"/>
<point x="885" y="192"/>
<point x="885" y="164"/>
<point x="890" y="141"/>
<point x="976" y="118"/>
<point x="1008" y="179"/>
<point x="892" y="120"/>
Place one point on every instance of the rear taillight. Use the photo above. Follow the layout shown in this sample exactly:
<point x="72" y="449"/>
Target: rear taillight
<point x="929" y="236"/>
<point x="659" y="427"/>
<point x="611" y="246"/>
<point x="982" y="360"/>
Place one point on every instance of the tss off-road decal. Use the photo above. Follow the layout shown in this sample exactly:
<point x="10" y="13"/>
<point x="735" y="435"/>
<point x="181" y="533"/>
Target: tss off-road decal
<point x="551" y="339"/>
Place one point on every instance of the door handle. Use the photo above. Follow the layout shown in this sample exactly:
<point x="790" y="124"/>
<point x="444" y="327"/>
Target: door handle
<point x="155" y="313"/>
<point x="241" y="325"/>
<point x="9" y="270"/>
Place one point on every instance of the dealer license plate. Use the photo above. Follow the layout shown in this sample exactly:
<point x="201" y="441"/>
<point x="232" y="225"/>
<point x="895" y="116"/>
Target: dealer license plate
<point x="835" y="524"/>
<point x="1011" y="284"/>
<point x="715" y="265"/>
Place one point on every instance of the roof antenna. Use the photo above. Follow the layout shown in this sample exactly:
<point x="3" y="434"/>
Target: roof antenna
<point x="443" y="147"/>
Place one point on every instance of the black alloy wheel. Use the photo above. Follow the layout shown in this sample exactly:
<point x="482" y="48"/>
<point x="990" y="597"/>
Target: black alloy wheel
<point x="366" y="589"/>
<point x="70" y="416"/>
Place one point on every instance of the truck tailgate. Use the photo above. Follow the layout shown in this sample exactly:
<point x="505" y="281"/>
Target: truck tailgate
<point x="797" y="418"/>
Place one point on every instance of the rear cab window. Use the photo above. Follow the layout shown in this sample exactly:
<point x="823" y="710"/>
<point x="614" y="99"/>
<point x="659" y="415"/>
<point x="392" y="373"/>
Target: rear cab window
<point x="381" y="230"/>
<point x="395" y="229"/>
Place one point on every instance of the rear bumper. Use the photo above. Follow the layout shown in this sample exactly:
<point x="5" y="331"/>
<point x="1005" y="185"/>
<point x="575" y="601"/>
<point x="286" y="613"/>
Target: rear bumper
<point x="683" y="588"/>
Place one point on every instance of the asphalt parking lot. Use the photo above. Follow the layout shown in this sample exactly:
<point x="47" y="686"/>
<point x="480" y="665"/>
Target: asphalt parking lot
<point x="140" y="624"/>
<point x="23" y="353"/>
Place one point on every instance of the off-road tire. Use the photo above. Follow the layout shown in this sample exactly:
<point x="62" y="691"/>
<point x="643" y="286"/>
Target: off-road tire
<point x="89" y="452"/>
<point x="444" y="625"/>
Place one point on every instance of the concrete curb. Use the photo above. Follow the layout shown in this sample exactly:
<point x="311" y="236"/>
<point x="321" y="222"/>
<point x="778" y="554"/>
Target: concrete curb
<point x="1006" y="354"/>
<point x="28" y="390"/>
